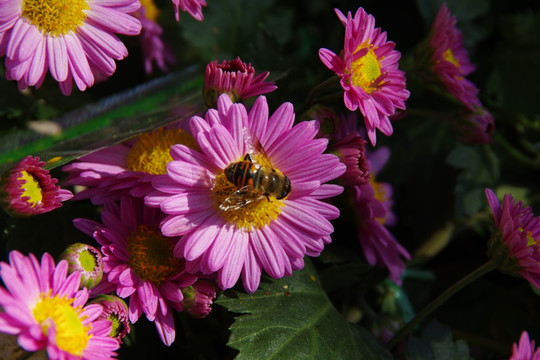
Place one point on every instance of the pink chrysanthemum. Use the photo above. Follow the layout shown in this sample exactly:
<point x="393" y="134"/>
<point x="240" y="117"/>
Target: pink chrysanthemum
<point x="234" y="78"/>
<point x="193" y="7"/>
<point x="44" y="307"/>
<point x="128" y="166"/>
<point x="73" y="39"/>
<point x="525" y="350"/>
<point x="373" y="203"/>
<point x="450" y="59"/>
<point x="368" y="68"/>
<point x="239" y="229"/>
<point x="516" y="244"/>
<point x="198" y="298"/>
<point x="154" y="48"/>
<point x="138" y="261"/>
<point x="474" y="128"/>
<point x="28" y="189"/>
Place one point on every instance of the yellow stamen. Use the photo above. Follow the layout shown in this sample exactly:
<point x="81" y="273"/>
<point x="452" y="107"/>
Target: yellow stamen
<point x="150" y="154"/>
<point x="256" y="214"/>
<point x="380" y="194"/>
<point x="31" y="188"/>
<point x="152" y="12"/>
<point x="366" y="70"/>
<point x="71" y="334"/>
<point x="55" y="17"/>
<point x="448" y="55"/>
<point x="151" y="255"/>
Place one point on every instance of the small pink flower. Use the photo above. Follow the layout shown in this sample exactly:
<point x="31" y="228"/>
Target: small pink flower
<point x="198" y="298"/>
<point x="154" y="48"/>
<point x="450" y="59"/>
<point x="474" y="128"/>
<point x="43" y="306"/>
<point x="368" y="68"/>
<point x="28" y="189"/>
<point x="73" y="42"/>
<point x="525" y="350"/>
<point x="115" y="310"/>
<point x="373" y="202"/>
<point x="234" y="78"/>
<point x="138" y="262"/>
<point x="515" y="245"/>
<point x="193" y="7"/>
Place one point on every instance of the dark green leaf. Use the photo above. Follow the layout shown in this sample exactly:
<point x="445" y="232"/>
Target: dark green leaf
<point x="292" y="318"/>
<point x="436" y="344"/>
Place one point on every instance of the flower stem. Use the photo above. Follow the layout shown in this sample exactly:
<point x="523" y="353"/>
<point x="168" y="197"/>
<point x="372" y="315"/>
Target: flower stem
<point x="318" y="88"/>
<point x="479" y="272"/>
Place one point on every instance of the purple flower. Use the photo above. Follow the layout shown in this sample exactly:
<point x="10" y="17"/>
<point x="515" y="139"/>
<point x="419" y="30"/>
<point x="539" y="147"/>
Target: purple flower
<point x="45" y="309"/>
<point x="525" y="350"/>
<point x="138" y="261"/>
<point x="450" y="60"/>
<point x="28" y="189"/>
<point x="236" y="229"/>
<point x="128" y="166"/>
<point x="368" y="68"/>
<point x="193" y="7"/>
<point x="74" y="40"/>
<point x="515" y="246"/>
<point x="373" y="202"/>
<point x="234" y="78"/>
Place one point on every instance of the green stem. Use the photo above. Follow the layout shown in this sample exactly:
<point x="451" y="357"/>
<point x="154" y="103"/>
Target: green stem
<point x="479" y="272"/>
<point x="516" y="154"/>
<point x="320" y="87"/>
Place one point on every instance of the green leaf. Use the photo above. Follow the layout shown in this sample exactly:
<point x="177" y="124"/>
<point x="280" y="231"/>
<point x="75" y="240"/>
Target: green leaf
<point x="479" y="169"/>
<point x="436" y="343"/>
<point x="292" y="318"/>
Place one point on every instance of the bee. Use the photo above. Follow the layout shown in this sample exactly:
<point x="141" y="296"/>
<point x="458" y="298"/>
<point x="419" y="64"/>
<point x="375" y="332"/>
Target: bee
<point x="254" y="181"/>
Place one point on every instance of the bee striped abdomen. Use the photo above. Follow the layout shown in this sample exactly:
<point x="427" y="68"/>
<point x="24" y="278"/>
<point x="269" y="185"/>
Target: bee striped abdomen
<point x="241" y="173"/>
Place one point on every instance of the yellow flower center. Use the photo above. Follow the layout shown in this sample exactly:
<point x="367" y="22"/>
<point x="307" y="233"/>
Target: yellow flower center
<point x="151" y="255"/>
<point x="257" y="213"/>
<point x="55" y="17"/>
<point x="150" y="154"/>
<point x="152" y="12"/>
<point x="366" y="70"/>
<point x="30" y="188"/>
<point x="71" y="334"/>
<point x="448" y="55"/>
<point x="380" y="194"/>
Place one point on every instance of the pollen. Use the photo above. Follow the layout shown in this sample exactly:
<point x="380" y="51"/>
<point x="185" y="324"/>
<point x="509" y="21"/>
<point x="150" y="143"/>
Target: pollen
<point x="366" y="70"/>
<point x="448" y="55"/>
<point x="71" y="334"/>
<point x="55" y="17"/>
<point x="380" y="194"/>
<point x="30" y="188"/>
<point x="150" y="154"/>
<point x="151" y="10"/>
<point x="256" y="214"/>
<point x="151" y="255"/>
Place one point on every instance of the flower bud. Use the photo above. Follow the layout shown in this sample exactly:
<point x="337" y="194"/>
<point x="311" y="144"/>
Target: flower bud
<point x="115" y="310"/>
<point x="87" y="260"/>
<point x="198" y="298"/>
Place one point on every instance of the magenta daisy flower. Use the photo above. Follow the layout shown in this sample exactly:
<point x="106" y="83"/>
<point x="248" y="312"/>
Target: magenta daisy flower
<point x="373" y="202"/>
<point x="138" y="261"/>
<point x="234" y="78"/>
<point x="128" y="166"/>
<point x="232" y="227"/>
<point x="154" y="48"/>
<point x="28" y="189"/>
<point x="73" y="39"/>
<point x="525" y="350"/>
<point x="450" y="59"/>
<point x="45" y="309"/>
<point x="515" y="246"/>
<point x="368" y="68"/>
<point x="193" y="7"/>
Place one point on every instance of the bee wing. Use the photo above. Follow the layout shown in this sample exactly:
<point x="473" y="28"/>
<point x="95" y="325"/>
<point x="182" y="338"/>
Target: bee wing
<point x="253" y="144"/>
<point x="240" y="198"/>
